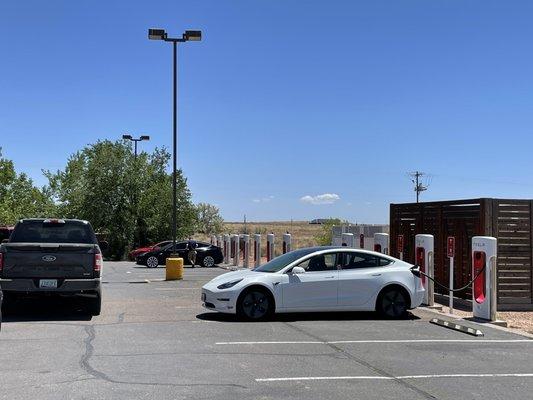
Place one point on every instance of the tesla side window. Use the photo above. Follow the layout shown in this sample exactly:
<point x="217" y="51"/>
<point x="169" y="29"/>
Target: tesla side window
<point x="321" y="262"/>
<point x="362" y="260"/>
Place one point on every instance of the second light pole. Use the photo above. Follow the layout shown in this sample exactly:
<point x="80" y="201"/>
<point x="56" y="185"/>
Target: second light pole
<point x="160" y="34"/>
<point x="129" y="137"/>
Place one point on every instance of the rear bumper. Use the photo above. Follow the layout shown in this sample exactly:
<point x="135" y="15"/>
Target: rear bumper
<point x="65" y="286"/>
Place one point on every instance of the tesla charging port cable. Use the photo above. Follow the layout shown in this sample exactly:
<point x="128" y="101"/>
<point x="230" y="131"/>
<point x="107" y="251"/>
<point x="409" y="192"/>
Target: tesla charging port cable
<point x="416" y="272"/>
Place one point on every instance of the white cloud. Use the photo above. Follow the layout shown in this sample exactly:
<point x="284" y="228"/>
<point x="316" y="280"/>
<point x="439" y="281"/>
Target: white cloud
<point x="263" y="199"/>
<point x="326" y="198"/>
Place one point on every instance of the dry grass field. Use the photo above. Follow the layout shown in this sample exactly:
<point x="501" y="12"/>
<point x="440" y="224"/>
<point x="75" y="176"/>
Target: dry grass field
<point x="303" y="233"/>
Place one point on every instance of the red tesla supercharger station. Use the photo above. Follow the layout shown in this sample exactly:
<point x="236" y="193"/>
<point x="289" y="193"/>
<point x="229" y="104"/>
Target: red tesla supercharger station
<point x="219" y="241"/>
<point x="362" y="241"/>
<point x="287" y="244"/>
<point x="236" y="250"/>
<point x="348" y="240"/>
<point x="227" y="248"/>
<point x="484" y="256"/>
<point x="257" y="249"/>
<point x="270" y="246"/>
<point x="381" y="243"/>
<point x="424" y="251"/>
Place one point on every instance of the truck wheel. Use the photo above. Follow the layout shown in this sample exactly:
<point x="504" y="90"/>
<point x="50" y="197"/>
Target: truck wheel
<point x="94" y="305"/>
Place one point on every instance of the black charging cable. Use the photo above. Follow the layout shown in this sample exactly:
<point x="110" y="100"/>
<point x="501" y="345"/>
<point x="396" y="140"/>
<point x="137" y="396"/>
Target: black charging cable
<point x="416" y="272"/>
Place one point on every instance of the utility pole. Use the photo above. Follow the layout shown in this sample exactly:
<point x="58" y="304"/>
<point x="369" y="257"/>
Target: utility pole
<point x="245" y="230"/>
<point x="419" y="187"/>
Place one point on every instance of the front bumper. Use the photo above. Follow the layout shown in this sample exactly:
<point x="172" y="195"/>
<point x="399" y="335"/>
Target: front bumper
<point x="64" y="286"/>
<point x="222" y="301"/>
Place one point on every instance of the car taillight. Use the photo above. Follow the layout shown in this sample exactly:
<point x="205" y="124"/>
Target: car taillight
<point x="98" y="261"/>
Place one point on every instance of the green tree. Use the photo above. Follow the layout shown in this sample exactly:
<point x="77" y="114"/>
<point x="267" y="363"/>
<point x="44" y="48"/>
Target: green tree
<point x="19" y="198"/>
<point x="208" y="219"/>
<point x="126" y="198"/>
<point x="324" y="237"/>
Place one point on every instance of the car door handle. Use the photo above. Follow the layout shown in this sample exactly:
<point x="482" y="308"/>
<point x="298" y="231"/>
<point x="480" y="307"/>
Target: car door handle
<point x="376" y="274"/>
<point x="329" y="277"/>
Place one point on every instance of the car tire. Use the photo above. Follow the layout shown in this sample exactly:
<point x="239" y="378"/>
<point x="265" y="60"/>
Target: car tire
<point x="94" y="305"/>
<point x="208" y="262"/>
<point x="255" y="304"/>
<point x="393" y="303"/>
<point x="152" y="262"/>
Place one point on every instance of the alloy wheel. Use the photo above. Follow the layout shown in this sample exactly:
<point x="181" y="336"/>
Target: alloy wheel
<point x="208" y="261"/>
<point x="152" y="262"/>
<point x="255" y="305"/>
<point x="393" y="304"/>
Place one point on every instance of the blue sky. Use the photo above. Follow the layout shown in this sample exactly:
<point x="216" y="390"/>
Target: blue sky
<point x="282" y="99"/>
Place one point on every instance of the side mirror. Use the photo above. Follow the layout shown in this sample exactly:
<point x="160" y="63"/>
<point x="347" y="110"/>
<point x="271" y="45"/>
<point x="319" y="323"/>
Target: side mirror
<point x="298" y="270"/>
<point x="104" y="245"/>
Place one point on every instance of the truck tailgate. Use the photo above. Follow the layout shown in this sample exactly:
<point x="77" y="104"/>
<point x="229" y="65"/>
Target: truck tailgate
<point x="28" y="260"/>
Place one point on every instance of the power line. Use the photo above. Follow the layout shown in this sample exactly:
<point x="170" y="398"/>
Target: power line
<point x="416" y="179"/>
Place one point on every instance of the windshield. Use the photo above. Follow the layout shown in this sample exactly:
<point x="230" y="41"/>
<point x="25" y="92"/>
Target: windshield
<point x="280" y="262"/>
<point x="43" y="232"/>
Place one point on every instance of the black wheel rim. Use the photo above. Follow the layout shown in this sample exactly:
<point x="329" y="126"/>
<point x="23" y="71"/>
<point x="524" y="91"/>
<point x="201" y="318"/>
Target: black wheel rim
<point x="255" y="305"/>
<point x="394" y="304"/>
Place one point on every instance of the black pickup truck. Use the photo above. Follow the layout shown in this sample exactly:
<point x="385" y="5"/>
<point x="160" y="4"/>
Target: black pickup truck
<point x="52" y="256"/>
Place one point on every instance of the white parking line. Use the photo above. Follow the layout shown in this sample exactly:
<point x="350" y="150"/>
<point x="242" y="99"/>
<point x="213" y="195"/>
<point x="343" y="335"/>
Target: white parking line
<point x="386" y="341"/>
<point x="363" y="377"/>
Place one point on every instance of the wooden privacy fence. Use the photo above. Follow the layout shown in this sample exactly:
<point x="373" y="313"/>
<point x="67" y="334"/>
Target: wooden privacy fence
<point x="510" y="221"/>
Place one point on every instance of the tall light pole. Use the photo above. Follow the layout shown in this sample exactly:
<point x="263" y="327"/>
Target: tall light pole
<point x="140" y="139"/>
<point x="160" y="34"/>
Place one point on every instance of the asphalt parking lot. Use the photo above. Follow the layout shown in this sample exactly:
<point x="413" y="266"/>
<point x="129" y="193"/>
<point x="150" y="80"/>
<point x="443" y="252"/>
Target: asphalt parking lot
<point x="154" y="340"/>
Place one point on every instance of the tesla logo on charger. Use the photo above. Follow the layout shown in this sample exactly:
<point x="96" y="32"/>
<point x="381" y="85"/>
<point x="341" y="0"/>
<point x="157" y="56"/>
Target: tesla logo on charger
<point x="48" y="258"/>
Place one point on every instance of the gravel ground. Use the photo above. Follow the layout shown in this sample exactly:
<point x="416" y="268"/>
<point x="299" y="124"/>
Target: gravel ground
<point x="522" y="320"/>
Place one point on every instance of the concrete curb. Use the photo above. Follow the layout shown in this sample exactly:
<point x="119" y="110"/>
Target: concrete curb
<point x="456" y="327"/>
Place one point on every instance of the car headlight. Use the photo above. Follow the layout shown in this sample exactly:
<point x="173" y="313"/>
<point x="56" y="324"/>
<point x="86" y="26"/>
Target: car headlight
<point x="228" y="285"/>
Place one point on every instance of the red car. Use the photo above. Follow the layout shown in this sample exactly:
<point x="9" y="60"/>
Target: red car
<point x="132" y="255"/>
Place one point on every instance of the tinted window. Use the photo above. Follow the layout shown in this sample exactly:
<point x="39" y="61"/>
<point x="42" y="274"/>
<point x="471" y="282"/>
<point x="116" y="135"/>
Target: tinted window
<point x="280" y="262"/>
<point x="363" y="260"/>
<point x="43" y="232"/>
<point x="321" y="262"/>
<point x="179" y="246"/>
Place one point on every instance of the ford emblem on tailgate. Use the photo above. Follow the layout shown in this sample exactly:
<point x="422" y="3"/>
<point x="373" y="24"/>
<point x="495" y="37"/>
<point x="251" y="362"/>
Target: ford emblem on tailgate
<point x="49" y="258"/>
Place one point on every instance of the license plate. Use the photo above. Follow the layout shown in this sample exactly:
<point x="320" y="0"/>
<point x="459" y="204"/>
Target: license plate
<point x="48" y="284"/>
<point x="203" y="296"/>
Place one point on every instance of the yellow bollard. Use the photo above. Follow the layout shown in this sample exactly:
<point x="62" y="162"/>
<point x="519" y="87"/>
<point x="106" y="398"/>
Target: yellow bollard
<point x="174" y="268"/>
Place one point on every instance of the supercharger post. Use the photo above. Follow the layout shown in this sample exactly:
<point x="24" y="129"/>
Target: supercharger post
<point x="450" y="250"/>
<point x="362" y="241"/>
<point x="270" y="246"/>
<point x="484" y="253"/>
<point x="213" y="239"/>
<point x="348" y="240"/>
<point x="246" y="239"/>
<point x="424" y="251"/>
<point x="381" y="243"/>
<point x="236" y="250"/>
<point x="227" y="248"/>
<point x="287" y="246"/>
<point x="257" y="249"/>
<point x="219" y="241"/>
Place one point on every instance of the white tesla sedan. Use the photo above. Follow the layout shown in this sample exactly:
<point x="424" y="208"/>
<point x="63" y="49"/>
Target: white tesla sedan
<point x="317" y="279"/>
